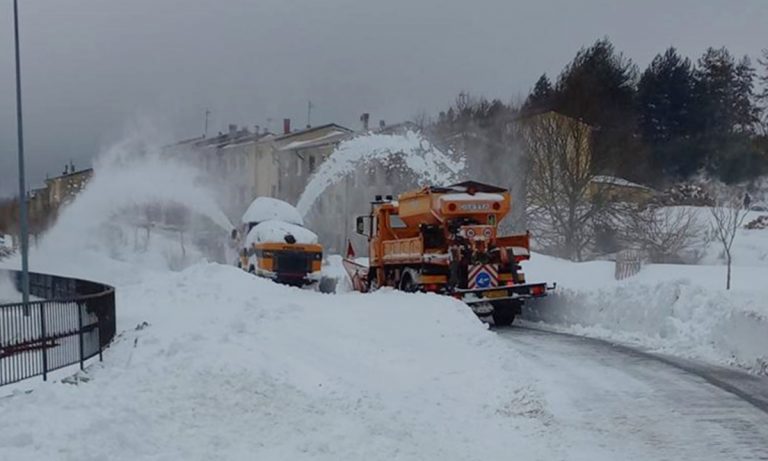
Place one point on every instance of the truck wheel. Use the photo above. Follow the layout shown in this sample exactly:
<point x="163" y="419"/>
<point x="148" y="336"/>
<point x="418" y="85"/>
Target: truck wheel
<point x="408" y="281"/>
<point x="504" y="312"/>
<point x="503" y="317"/>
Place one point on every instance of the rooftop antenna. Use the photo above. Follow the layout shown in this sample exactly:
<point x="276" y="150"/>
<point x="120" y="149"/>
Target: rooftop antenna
<point x="205" y="127"/>
<point x="309" y="113"/>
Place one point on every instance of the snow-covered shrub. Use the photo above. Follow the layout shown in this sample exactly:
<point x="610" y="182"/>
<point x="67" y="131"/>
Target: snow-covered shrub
<point x="685" y="194"/>
<point x="760" y="223"/>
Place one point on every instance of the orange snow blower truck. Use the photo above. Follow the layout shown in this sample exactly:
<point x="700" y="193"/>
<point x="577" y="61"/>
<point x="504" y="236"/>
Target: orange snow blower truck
<point x="445" y="240"/>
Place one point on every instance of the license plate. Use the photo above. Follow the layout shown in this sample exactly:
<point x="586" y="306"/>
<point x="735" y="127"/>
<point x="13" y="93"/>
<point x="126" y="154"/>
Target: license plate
<point x="496" y="294"/>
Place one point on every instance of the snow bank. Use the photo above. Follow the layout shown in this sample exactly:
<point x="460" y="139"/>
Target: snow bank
<point x="228" y="366"/>
<point x="276" y="231"/>
<point x="674" y="309"/>
<point x="268" y="208"/>
<point x="418" y="154"/>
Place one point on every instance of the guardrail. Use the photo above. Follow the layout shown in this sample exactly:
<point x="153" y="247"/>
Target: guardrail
<point x="70" y="321"/>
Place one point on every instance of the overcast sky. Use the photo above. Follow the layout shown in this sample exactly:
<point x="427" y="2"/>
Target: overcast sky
<point x="93" y="67"/>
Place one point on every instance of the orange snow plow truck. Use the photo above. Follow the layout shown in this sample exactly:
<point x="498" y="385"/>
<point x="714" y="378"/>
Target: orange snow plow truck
<point x="445" y="240"/>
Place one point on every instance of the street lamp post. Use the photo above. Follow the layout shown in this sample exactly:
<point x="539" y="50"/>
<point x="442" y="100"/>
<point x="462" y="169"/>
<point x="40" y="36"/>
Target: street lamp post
<point x="23" y="224"/>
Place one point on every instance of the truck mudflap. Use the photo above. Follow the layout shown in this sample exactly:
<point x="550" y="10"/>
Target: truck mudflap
<point x="503" y="293"/>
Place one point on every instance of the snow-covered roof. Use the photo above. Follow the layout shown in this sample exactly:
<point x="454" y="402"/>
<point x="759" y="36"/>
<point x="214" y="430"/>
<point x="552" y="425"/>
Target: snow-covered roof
<point x="268" y="208"/>
<point x="616" y="181"/>
<point x="330" y="137"/>
<point x="276" y="231"/>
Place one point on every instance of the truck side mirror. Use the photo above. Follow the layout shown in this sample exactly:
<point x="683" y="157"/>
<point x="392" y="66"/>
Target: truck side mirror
<point x="361" y="226"/>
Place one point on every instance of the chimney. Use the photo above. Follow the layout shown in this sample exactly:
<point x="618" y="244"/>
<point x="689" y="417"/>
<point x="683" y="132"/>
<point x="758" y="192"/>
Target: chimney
<point x="232" y="129"/>
<point x="286" y="125"/>
<point x="364" y="118"/>
<point x="382" y="124"/>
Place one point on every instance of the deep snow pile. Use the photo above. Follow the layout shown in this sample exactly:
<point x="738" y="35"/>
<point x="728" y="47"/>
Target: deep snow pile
<point x="675" y="309"/>
<point x="268" y="208"/>
<point x="278" y="231"/>
<point x="418" y="154"/>
<point x="228" y="366"/>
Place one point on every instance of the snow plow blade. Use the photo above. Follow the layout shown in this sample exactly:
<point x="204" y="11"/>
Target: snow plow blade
<point x="358" y="274"/>
<point x="503" y="293"/>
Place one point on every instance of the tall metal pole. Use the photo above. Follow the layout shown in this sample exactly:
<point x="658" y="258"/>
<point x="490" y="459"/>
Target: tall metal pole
<point x="22" y="187"/>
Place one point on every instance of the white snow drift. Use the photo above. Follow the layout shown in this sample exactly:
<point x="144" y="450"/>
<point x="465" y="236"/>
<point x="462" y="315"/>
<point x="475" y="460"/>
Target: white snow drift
<point x="229" y="366"/>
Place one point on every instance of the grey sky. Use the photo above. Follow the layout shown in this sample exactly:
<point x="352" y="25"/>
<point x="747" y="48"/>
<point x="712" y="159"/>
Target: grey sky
<point x="93" y="67"/>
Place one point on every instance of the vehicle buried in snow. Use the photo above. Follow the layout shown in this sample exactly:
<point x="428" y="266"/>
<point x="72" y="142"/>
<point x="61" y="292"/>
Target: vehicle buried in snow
<point x="445" y="240"/>
<point x="274" y="243"/>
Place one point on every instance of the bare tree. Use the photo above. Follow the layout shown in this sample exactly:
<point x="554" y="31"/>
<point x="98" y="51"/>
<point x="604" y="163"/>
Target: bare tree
<point x="728" y="216"/>
<point x="665" y="234"/>
<point x="563" y="200"/>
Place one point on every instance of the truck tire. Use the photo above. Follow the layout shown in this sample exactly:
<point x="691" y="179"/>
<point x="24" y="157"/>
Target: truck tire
<point x="504" y="312"/>
<point x="408" y="281"/>
<point x="503" y="317"/>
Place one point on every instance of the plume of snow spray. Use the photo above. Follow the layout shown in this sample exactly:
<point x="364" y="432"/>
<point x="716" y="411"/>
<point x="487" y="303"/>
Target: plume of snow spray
<point x="92" y="236"/>
<point x="417" y="153"/>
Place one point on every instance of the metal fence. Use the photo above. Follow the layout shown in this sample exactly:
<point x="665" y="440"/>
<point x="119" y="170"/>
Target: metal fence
<point x="70" y="321"/>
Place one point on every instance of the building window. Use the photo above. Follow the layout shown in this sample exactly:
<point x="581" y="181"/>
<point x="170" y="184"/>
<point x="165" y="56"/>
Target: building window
<point x="298" y="165"/>
<point x="311" y="163"/>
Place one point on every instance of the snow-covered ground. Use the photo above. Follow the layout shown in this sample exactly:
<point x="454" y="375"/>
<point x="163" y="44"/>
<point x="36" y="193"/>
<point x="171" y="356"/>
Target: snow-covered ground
<point x="683" y="310"/>
<point x="213" y="363"/>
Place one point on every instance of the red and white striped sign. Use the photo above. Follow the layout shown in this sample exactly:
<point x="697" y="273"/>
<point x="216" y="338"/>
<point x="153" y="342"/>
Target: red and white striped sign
<point x="483" y="276"/>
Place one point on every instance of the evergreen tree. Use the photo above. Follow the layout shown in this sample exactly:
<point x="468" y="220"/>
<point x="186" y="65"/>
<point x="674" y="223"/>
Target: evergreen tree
<point x="666" y="118"/>
<point x="665" y="98"/>
<point x="727" y="115"/>
<point x="540" y="99"/>
<point x="598" y="87"/>
<point x="724" y="92"/>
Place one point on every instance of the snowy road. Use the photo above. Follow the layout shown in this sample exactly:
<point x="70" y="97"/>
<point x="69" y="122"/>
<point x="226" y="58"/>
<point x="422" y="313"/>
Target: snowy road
<point x="633" y="406"/>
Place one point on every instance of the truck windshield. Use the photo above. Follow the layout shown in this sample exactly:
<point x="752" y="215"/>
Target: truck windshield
<point x="395" y="222"/>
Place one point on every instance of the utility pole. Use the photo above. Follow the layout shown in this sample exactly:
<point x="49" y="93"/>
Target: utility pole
<point x="23" y="219"/>
<point x="205" y="126"/>
<point x="309" y="114"/>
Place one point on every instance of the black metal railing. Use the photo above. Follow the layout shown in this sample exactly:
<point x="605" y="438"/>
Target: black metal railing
<point x="68" y="322"/>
